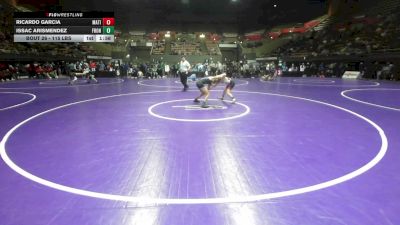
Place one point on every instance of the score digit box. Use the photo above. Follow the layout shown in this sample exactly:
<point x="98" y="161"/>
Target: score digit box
<point x="108" y="21"/>
<point x="108" y="30"/>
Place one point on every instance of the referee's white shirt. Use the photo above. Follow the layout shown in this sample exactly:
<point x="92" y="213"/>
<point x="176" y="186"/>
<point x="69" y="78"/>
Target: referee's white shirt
<point x="184" y="66"/>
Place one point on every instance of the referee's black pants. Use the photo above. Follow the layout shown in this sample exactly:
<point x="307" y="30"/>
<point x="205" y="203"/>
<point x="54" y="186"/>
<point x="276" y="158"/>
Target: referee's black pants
<point x="183" y="76"/>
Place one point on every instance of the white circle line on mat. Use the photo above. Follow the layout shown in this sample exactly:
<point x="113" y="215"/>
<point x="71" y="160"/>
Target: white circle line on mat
<point x="20" y="104"/>
<point x="343" y="93"/>
<point x="233" y="199"/>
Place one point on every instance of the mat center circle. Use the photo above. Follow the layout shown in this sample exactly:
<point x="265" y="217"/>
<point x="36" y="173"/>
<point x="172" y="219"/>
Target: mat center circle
<point x="186" y="110"/>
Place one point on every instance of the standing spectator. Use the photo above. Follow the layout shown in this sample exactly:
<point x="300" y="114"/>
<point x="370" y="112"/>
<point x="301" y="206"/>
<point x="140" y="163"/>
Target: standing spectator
<point x="92" y="71"/>
<point x="166" y="69"/>
<point x="361" y="68"/>
<point x="321" y="70"/>
<point x="302" y="69"/>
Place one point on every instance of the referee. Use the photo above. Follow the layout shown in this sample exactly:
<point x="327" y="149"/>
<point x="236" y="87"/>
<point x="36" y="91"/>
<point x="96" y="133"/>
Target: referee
<point x="184" y="67"/>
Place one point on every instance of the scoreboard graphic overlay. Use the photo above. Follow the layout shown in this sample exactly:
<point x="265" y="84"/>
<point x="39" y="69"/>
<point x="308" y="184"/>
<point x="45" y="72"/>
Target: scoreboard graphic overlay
<point x="64" y="27"/>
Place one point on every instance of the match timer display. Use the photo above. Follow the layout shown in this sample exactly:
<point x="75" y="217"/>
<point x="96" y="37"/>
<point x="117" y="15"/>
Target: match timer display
<point x="64" y="27"/>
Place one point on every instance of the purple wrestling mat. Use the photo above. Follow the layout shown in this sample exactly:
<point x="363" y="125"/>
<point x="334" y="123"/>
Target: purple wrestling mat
<point x="124" y="152"/>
